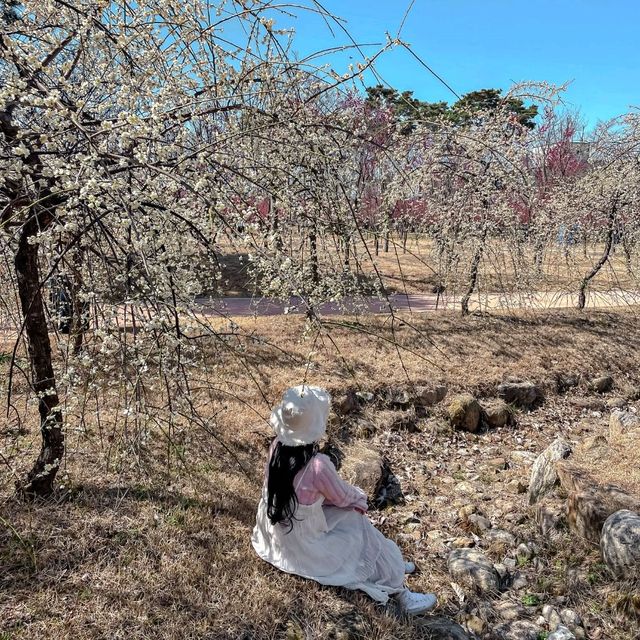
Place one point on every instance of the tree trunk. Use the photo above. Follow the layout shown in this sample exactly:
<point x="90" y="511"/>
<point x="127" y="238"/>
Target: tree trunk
<point x="538" y="258"/>
<point x="387" y="232"/>
<point x="626" y="246"/>
<point x="473" y="274"/>
<point x="273" y="213"/>
<point x="39" y="481"/>
<point x="79" y="309"/>
<point x="313" y="244"/>
<point x="582" y="294"/>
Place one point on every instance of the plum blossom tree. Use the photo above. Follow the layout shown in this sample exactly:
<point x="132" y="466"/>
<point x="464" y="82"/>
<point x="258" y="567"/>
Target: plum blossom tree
<point x="130" y="136"/>
<point x="467" y="179"/>
<point x="605" y="201"/>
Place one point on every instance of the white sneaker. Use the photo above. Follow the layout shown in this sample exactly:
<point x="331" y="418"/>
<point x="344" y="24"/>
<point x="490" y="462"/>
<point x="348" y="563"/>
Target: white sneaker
<point x="413" y="604"/>
<point x="409" y="567"/>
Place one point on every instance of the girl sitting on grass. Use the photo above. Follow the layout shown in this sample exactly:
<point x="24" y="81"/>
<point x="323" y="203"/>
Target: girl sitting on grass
<point x="312" y="523"/>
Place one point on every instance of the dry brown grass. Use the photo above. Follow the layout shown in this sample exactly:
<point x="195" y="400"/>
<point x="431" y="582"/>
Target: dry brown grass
<point x="615" y="461"/>
<point x="416" y="267"/>
<point x="140" y="549"/>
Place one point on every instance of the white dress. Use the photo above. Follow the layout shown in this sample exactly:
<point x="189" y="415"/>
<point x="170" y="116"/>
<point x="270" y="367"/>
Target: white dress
<point x="333" y="546"/>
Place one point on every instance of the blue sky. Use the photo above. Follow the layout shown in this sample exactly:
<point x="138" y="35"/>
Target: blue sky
<point x="476" y="44"/>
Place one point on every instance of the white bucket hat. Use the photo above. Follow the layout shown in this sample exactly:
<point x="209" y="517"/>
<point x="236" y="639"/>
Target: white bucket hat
<point x="301" y="417"/>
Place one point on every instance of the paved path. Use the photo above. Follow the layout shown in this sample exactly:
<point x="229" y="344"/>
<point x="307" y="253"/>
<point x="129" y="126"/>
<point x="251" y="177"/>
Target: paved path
<point x="417" y="303"/>
<point x="413" y="303"/>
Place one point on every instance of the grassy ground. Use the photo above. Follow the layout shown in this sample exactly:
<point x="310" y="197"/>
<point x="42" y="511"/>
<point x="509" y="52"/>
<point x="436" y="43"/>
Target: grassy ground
<point x="149" y="538"/>
<point x="416" y="266"/>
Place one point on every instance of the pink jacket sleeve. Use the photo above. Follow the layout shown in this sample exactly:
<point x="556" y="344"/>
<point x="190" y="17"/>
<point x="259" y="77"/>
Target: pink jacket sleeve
<point x="336" y="491"/>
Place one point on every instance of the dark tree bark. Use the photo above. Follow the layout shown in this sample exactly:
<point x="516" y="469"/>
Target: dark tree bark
<point x="79" y="308"/>
<point x="313" y="244"/>
<point x="626" y="246"/>
<point x="39" y="481"/>
<point x="582" y="294"/>
<point x="473" y="274"/>
<point x="538" y="258"/>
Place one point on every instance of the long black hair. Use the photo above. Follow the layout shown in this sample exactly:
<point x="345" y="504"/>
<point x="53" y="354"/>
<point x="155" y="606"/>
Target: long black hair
<point x="284" y="465"/>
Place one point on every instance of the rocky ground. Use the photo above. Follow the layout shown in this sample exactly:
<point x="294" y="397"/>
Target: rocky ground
<point x="502" y="495"/>
<point x="145" y="540"/>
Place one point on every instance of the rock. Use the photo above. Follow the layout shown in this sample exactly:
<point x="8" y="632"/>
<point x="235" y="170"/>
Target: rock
<point x="389" y="490"/>
<point x="591" y="443"/>
<point x="520" y="581"/>
<point x="516" y="517"/>
<point x="620" y="543"/>
<point x="524" y="552"/>
<point x="503" y="571"/>
<point x="499" y="464"/>
<point x="398" y="397"/>
<point x="440" y="628"/>
<point x="496" y="413"/>
<point x="516" y="485"/>
<point x="508" y="610"/>
<point x="403" y="421"/>
<point x="463" y="543"/>
<point x="591" y="404"/>
<point x="345" y="403"/>
<point x="616" y="403"/>
<point x="521" y="394"/>
<point x="570" y="619"/>
<point x="362" y="466"/>
<point x="623" y="422"/>
<point x="566" y="381"/>
<point x="549" y="515"/>
<point x="543" y="473"/>
<point x="500" y="536"/>
<point x="466" y="487"/>
<point x="551" y="615"/>
<point x="365" y="397"/>
<point x="472" y="567"/>
<point x="464" y="412"/>
<point x="477" y="523"/>
<point x="428" y="396"/>
<point x="573" y="478"/>
<point x="517" y="630"/>
<point x="561" y="633"/>
<point x="588" y="510"/>
<point x="601" y="384"/>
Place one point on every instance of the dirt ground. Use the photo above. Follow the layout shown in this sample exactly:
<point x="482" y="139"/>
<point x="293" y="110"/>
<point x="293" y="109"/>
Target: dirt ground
<point x="149" y="536"/>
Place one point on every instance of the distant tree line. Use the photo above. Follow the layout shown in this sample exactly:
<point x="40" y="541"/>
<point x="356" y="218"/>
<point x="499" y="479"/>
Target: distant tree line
<point x="409" y="111"/>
